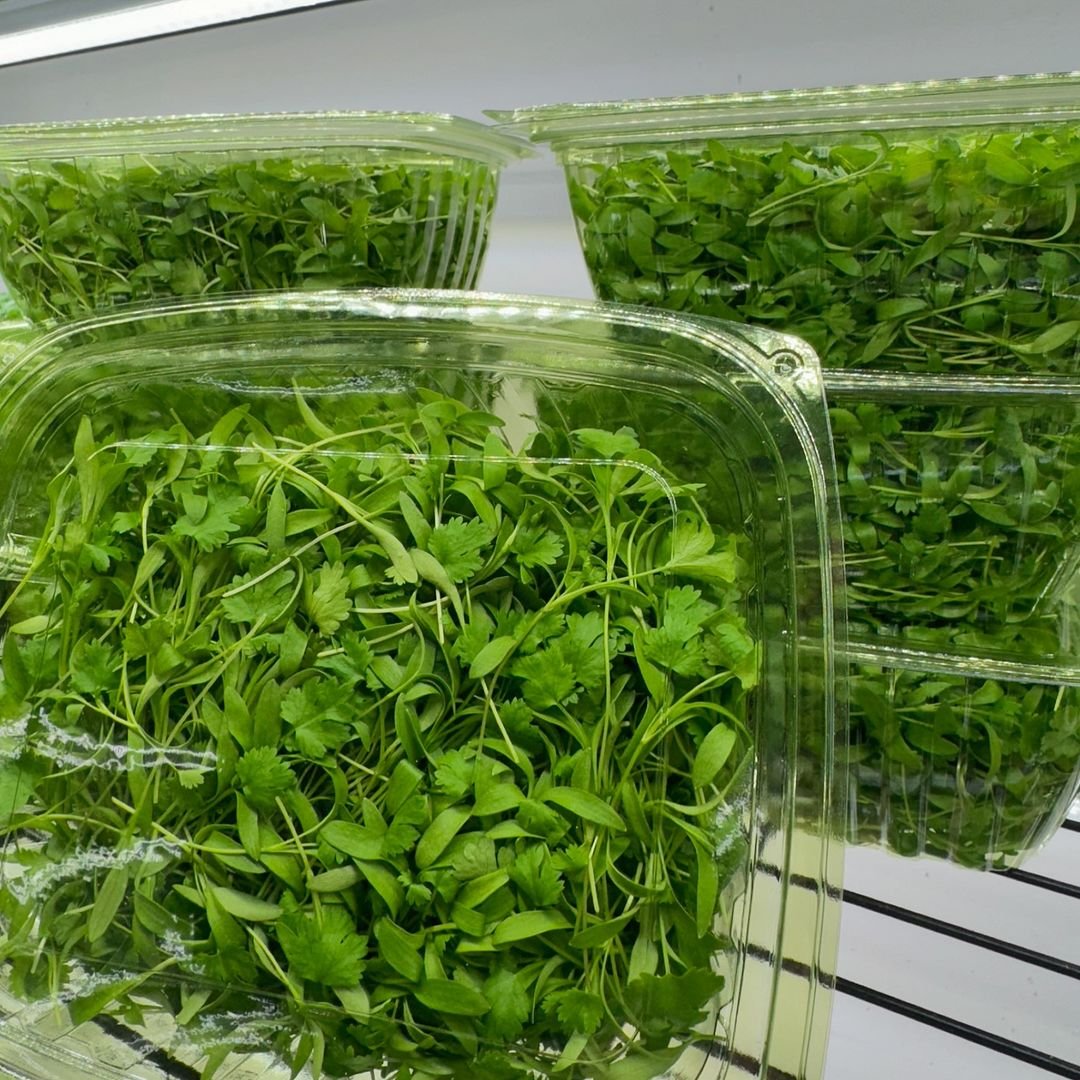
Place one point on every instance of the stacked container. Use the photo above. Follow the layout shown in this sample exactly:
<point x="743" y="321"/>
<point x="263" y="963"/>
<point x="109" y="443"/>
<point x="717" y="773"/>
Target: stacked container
<point x="924" y="238"/>
<point x="416" y="683"/>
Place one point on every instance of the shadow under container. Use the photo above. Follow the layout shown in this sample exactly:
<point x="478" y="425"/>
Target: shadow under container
<point x="923" y="238"/>
<point x="99" y="213"/>
<point x="362" y="709"/>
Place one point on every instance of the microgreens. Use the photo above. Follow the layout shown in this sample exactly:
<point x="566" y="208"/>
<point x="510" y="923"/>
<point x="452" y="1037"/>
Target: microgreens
<point x="940" y="253"/>
<point x="437" y="745"/>
<point x="83" y="234"/>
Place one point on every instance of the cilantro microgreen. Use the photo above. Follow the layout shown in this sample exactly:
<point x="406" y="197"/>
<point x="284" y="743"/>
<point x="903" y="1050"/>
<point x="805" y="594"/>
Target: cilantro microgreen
<point x="420" y="816"/>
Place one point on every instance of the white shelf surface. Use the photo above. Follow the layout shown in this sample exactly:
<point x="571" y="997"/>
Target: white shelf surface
<point x="1005" y="996"/>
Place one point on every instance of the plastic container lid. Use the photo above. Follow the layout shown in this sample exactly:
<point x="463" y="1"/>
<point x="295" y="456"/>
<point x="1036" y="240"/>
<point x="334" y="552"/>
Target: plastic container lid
<point x="418" y="680"/>
<point x="436" y="133"/>
<point x="1013" y="99"/>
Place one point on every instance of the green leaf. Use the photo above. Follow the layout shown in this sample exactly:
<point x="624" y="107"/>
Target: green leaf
<point x="600" y="933"/>
<point x="586" y="806"/>
<point x="419" y="526"/>
<point x="265" y="777"/>
<point x="606" y="443"/>
<point x="243" y="906"/>
<point x="431" y="570"/>
<point x="665" y="1003"/>
<point x="439" y="834"/>
<point x="353" y="840"/>
<point x="17" y="783"/>
<point x="86" y="1007"/>
<point x="453" y="998"/>
<point x="577" y="1010"/>
<point x="318" y="716"/>
<point x="340" y="879"/>
<point x="214" y="522"/>
<point x="528" y="924"/>
<point x="707" y="892"/>
<point x="36" y="624"/>
<point x="510" y="1005"/>
<point x="329" y="604"/>
<point x="491" y="656"/>
<point x="457" y="546"/>
<point x="547" y="677"/>
<point x="399" y="950"/>
<point x="248" y="828"/>
<point x="94" y="667"/>
<point x="482" y="888"/>
<point x="536" y="877"/>
<point x="107" y="903"/>
<point x="384" y="882"/>
<point x="323" y="948"/>
<point x="1056" y="337"/>
<point x="538" y="547"/>
<point x="713" y="754"/>
<point x="258" y="599"/>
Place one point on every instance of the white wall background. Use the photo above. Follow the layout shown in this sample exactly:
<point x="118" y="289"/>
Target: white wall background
<point x="462" y="56"/>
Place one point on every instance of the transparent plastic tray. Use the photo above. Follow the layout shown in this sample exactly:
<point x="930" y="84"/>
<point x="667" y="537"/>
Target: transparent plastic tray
<point x="94" y="214"/>
<point x="972" y="759"/>
<point x="413" y="682"/>
<point x="924" y="238"/>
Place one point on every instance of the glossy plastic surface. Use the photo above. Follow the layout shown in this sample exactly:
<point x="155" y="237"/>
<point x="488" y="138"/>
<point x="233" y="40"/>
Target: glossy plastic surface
<point x="98" y="214"/>
<point x="598" y="533"/>
<point x="923" y="238"/>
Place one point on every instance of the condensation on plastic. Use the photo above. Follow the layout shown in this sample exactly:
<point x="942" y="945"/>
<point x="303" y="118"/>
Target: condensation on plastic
<point x="744" y="411"/>
<point x="944" y="411"/>
<point x="452" y="167"/>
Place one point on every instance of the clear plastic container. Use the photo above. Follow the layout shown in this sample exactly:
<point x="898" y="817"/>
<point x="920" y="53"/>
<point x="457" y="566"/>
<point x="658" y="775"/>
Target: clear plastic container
<point x="961" y="502"/>
<point x="975" y="759"/>
<point x="922" y="227"/>
<point x="923" y="238"/>
<point x="94" y="214"/>
<point x="962" y="546"/>
<point x="417" y="683"/>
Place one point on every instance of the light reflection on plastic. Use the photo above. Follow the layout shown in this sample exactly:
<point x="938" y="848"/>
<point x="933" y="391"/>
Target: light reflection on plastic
<point x="135" y="23"/>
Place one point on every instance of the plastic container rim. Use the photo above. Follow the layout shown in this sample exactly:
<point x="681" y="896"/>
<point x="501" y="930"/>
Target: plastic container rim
<point x="438" y="133"/>
<point x="801" y="377"/>
<point x="975" y="101"/>
<point x="974" y="664"/>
